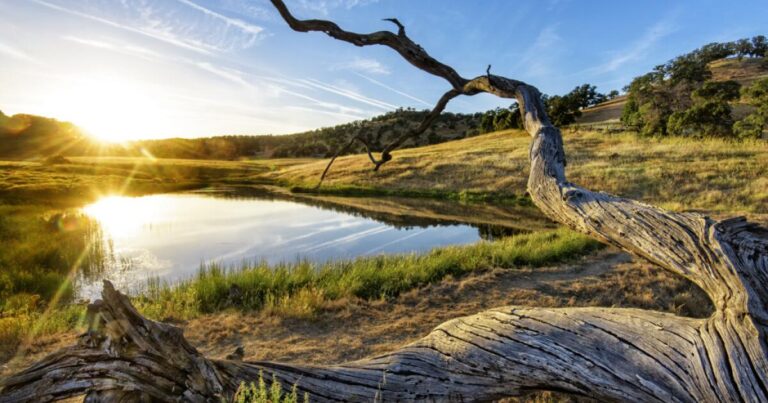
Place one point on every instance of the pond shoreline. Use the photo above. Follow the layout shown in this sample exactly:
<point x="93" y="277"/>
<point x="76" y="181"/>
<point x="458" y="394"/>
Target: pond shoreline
<point x="169" y="236"/>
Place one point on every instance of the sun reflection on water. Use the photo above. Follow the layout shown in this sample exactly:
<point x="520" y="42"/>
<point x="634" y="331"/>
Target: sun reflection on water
<point x="122" y="216"/>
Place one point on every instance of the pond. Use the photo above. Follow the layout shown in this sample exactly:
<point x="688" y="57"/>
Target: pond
<point x="169" y="236"/>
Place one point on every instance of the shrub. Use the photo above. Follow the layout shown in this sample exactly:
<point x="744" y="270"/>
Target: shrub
<point x="753" y="125"/>
<point x="259" y="392"/>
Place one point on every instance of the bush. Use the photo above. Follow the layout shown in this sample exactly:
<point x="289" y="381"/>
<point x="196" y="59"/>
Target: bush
<point x="755" y="123"/>
<point x="751" y="127"/>
<point x="707" y="119"/>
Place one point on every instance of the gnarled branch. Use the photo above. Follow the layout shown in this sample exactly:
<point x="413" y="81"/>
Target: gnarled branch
<point x="609" y="354"/>
<point x="501" y="352"/>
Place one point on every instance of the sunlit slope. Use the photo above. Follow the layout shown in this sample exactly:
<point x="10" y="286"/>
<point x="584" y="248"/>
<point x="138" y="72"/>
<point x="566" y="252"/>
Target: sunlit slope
<point x="83" y="178"/>
<point x="745" y="72"/>
<point x="712" y="175"/>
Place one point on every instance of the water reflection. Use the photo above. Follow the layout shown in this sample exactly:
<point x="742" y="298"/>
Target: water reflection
<point x="169" y="236"/>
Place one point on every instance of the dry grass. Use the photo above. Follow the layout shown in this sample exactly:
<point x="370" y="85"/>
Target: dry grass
<point x="713" y="175"/>
<point x="355" y="328"/>
<point x="85" y="177"/>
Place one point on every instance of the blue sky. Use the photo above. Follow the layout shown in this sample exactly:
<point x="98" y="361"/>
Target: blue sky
<point x="126" y="69"/>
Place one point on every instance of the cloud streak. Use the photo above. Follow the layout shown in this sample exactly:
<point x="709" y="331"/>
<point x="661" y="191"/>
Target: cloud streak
<point x="539" y="56"/>
<point x="348" y="94"/>
<point x="14" y="53"/>
<point x="324" y="7"/>
<point x="160" y="36"/>
<point x="246" y="27"/>
<point x="639" y="48"/>
<point x="396" y="91"/>
<point x="370" y="66"/>
<point x="199" y="29"/>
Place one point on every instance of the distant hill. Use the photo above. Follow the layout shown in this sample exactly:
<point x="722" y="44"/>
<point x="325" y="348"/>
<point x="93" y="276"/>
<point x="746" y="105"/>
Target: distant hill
<point x="28" y="136"/>
<point x="324" y="142"/>
<point x="744" y="71"/>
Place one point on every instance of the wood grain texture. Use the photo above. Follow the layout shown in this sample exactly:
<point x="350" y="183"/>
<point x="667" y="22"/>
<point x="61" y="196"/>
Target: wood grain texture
<point x="606" y="353"/>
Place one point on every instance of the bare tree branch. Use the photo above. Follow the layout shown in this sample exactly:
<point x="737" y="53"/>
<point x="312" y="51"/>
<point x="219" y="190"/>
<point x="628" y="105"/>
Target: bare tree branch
<point x="338" y="152"/>
<point x="400" y="27"/>
<point x="403" y="45"/>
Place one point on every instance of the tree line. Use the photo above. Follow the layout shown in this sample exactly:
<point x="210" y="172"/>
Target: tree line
<point x="562" y="109"/>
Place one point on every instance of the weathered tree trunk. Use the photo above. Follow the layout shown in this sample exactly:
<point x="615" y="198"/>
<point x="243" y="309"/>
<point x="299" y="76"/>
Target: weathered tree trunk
<point x="606" y="353"/>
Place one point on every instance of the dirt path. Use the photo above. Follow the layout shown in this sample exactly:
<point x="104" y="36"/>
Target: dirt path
<point x="355" y="329"/>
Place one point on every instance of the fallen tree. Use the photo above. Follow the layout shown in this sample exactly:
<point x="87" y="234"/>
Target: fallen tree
<point x="606" y="353"/>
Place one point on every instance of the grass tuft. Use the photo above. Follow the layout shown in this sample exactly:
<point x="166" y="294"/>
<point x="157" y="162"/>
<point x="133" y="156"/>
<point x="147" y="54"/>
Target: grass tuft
<point x="259" y="392"/>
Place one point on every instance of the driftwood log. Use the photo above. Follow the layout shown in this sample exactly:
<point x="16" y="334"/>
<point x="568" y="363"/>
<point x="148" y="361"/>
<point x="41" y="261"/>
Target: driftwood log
<point x="606" y="353"/>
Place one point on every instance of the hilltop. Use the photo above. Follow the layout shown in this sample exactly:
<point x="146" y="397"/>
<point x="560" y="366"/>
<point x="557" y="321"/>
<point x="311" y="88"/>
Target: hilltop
<point x="26" y="136"/>
<point x="745" y="72"/>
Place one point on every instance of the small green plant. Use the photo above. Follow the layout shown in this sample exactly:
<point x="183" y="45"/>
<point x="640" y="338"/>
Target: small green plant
<point x="259" y="392"/>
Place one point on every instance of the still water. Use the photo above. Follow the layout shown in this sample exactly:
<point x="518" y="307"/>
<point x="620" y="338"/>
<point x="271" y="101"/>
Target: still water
<point x="169" y="236"/>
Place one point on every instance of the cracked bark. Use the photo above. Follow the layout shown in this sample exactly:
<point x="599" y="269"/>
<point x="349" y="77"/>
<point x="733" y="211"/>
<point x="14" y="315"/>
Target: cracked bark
<point x="606" y="353"/>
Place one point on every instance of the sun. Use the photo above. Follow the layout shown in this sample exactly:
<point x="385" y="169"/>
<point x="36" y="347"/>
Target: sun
<point x="111" y="109"/>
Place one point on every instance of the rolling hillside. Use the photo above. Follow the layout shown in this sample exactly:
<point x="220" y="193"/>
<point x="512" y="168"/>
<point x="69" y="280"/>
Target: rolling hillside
<point x="745" y="72"/>
<point x="710" y="174"/>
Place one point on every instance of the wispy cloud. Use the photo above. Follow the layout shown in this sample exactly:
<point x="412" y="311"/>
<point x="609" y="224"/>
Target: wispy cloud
<point x="348" y="94"/>
<point x="119" y="47"/>
<point x="280" y="85"/>
<point x="324" y="7"/>
<point x="639" y="49"/>
<point x="10" y="51"/>
<point x="200" y="29"/>
<point x="232" y="75"/>
<point x="370" y="66"/>
<point x="247" y="8"/>
<point x="163" y="36"/>
<point x="246" y="27"/>
<point x="538" y="58"/>
<point x="396" y="91"/>
<point x="553" y="4"/>
<point x="90" y="42"/>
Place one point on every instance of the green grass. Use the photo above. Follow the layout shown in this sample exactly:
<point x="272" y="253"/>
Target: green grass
<point x="41" y="249"/>
<point x="24" y="317"/>
<point x="463" y="196"/>
<point x="299" y="289"/>
<point x="259" y="392"/>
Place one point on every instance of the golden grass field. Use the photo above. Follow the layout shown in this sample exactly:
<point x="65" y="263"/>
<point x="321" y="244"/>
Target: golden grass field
<point x="713" y="175"/>
<point x="716" y="176"/>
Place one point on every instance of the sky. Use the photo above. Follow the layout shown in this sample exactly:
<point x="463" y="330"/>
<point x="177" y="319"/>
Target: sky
<point x="134" y="69"/>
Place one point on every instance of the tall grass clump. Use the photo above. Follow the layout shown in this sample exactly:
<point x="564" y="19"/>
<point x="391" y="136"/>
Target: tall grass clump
<point x="24" y="317"/>
<point x="40" y="252"/>
<point x="302" y="287"/>
<point x="259" y="392"/>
